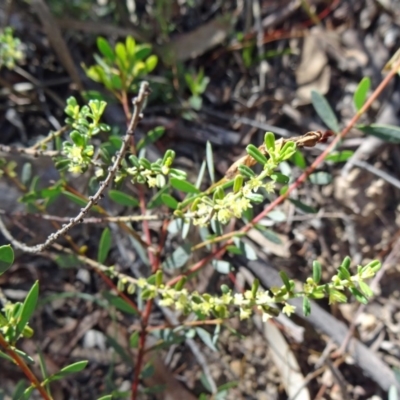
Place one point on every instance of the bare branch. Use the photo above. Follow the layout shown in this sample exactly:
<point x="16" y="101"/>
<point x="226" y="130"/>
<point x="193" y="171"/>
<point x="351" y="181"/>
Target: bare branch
<point x="138" y="103"/>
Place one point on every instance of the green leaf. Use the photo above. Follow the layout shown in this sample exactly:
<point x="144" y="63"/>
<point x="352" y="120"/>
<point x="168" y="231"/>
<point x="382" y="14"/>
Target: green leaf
<point x="134" y="340"/>
<point x="28" y="308"/>
<point x="340" y="156"/>
<point x="344" y="273"/>
<point x="104" y="246"/>
<point x="223" y="267"/>
<point x="269" y="141"/>
<point x="306" y="306"/>
<point x="358" y="295"/>
<point x="169" y="201"/>
<point x="388" y="133"/>
<point x="324" y="111"/>
<point x="76" y="199"/>
<point x="151" y="63"/>
<point x="183" y="186"/>
<point x="299" y="160"/>
<point x="206" y="338"/>
<point x="366" y="289"/>
<point x="255" y="153"/>
<point x="26" y="173"/>
<point x="317" y="271"/>
<point x="151" y="137"/>
<point x="105" y="49"/>
<point x="67" y="261"/>
<point x="6" y="258"/>
<point x="179" y="257"/>
<point x="130" y="45"/>
<point x="245" y="249"/>
<point x="200" y="175"/>
<point x="210" y="161"/>
<point x="321" y="178"/>
<point x="280" y="178"/>
<point x="19" y="390"/>
<point x="119" y="303"/>
<point x="156" y="200"/>
<point x="106" y="397"/>
<point x="120" y="51"/>
<point x="285" y="280"/>
<point x="361" y="92"/>
<point x="303" y="207"/>
<point x="123" y="198"/>
<point x="68" y="370"/>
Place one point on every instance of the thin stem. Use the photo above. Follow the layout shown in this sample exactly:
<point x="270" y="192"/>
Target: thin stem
<point x="216" y="254"/>
<point x="25" y="369"/>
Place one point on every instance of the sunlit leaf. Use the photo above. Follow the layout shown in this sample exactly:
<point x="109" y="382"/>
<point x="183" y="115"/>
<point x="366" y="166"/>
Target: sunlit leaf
<point x="361" y="92"/>
<point x="123" y="198"/>
<point x="104" y="246"/>
<point x="324" y="111"/>
<point x="210" y="161"/>
<point x="6" y="258"/>
<point x="179" y="257"/>
<point x="388" y="133"/>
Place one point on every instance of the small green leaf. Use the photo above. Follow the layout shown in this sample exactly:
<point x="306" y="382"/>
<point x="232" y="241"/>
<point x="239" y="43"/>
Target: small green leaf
<point x="306" y="306"/>
<point x="120" y="51"/>
<point x="285" y="280"/>
<point x="246" y="171"/>
<point x="183" y="186"/>
<point x="123" y="198"/>
<point x="179" y="257"/>
<point x="280" y="178"/>
<point x="169" y="201"/>
<point x="340" y="156"/>
<point x="70" y="369"/>
<point x="269" y="234"/>
<point x="303" y="207"/>
<point x="134" y="340"/>
<point x="361" y="92"/>
<point x="358" y="295"/>
<point x="346" y="263"/>
<point x="321" y="178"/>
<point x="245" y="249"/>
<point x="119" y="303"/>
<point x="130" y="45"/>
<point x="105" y="48"/>
<point x="151" y="63"/>
<point x="151" y="137"/>
<point x="324" y="111"/>
<point x="269" y="141"/>
<point x="344" y="273"/>
<point x="388" y="133"/>
<point x="106" y="397"/>
<point x="255" y="153"/>
<point x="299" y="160"/>
<point x="223" y="267"/>
<point x="206" y="338"/>
<point x="317" y="271"/>
<point x="366" y="289"/>
<point x="210" y="161"/>
<point x="28" y="308"/>
<point x="76" y="199"/>
<point x="6" y="258"/>
<point x="104" y="246"/>
<point x="26" y="173"/>
<point x="337" y="297"/>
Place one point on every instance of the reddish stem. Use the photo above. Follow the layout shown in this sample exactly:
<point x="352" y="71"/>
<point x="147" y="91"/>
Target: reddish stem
<point x="220" y="251"/>
<point x="25" y="369"/>
<point x="155" y="263"/>
<point x="111" y="284"/>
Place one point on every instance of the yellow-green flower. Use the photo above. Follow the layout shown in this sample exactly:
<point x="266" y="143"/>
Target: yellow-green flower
<point x="288" y="309"/>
